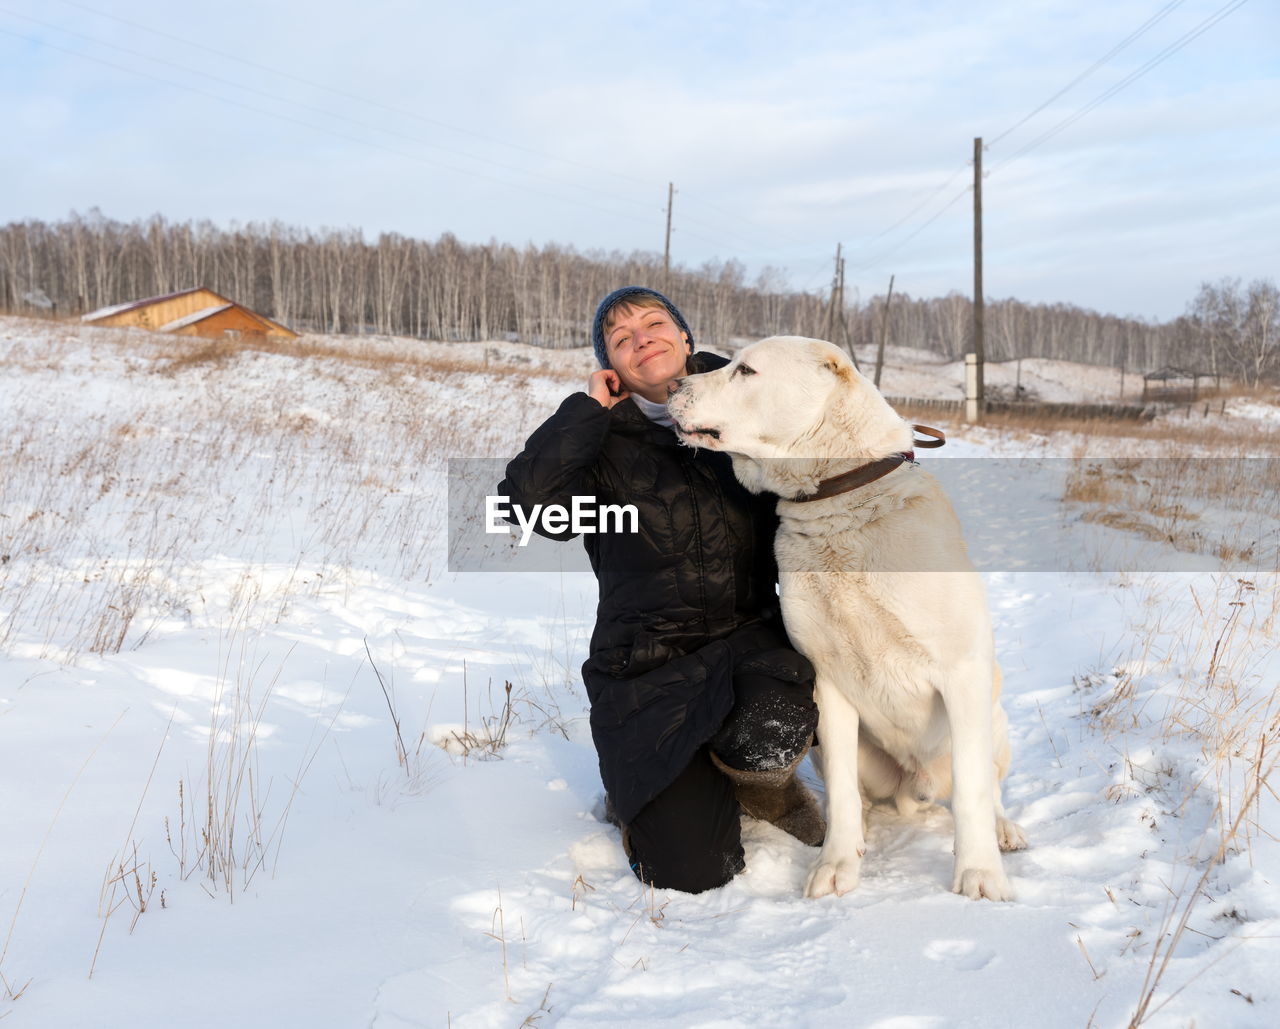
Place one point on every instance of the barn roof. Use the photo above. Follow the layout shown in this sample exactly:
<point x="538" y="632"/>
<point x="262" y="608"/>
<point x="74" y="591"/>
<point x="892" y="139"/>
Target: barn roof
<point x="104" y="312"/>
<point x="224" y="304"/>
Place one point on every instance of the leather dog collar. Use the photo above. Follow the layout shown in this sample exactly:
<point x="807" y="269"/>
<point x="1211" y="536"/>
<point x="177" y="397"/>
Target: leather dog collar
<point x="845" y="482"/>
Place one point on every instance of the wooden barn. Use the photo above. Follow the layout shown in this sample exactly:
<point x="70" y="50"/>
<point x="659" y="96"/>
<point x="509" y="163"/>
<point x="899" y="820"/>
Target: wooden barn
<point x="191" y="312"/>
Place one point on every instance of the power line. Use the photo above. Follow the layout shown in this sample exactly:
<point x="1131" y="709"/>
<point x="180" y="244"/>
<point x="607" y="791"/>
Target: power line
<point x="341" y="135"/>
<point x="923" y="204"/>
<point x="434" y="163"/>
<point x="919" y="229"/>
<point x="741" y="240"/>
<point x="1159" y="58"/>
<point x="318" y="110"/>
<point x="1139" y="31"/>
<point x="317" y="128"/>
<point x="912" y="213"/>
<point x="349" y="96"/>
<point x="729" y="214"/>
<point x="1128" y="80"/>
<point x="813" y="277"/>
<point x="732" y="234"/>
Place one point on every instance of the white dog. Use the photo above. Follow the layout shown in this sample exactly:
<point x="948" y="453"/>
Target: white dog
<point x="877" y="591"/>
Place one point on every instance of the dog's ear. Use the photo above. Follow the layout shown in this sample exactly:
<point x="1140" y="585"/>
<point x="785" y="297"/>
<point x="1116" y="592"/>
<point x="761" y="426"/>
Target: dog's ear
<point x="837" y="364"/>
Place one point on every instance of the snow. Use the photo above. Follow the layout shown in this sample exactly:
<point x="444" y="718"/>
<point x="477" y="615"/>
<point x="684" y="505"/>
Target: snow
<point x="922" y="374"/>
<point x="103" y="312"/>
<point x="906" y="375"/>
<point x="266" y="539"/>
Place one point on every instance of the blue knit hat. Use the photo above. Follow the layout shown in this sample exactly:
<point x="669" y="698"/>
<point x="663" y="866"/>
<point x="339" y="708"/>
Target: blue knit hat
<point x="622" y="295"/>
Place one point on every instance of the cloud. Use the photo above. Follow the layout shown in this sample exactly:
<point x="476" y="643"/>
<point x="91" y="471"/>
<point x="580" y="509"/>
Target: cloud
<point x="785" y="128"/>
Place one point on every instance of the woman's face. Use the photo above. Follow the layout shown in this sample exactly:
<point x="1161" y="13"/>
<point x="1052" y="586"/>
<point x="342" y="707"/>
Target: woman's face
<point x="647" y="350"/>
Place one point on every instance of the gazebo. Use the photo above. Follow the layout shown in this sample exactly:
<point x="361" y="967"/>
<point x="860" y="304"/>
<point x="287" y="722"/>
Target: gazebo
<point x="1172" y="385"/>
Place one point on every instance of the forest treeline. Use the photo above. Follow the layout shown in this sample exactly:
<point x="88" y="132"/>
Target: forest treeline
<point x="335" y="280"/>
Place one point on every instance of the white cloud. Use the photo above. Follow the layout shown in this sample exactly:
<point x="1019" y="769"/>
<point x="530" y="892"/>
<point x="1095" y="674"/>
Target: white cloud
<point x="785" y="128"/>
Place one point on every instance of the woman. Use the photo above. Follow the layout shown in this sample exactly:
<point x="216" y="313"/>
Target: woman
<point x="698" y="701"/>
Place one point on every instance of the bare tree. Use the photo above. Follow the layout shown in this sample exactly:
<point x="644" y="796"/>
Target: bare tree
<point x="335" y="281"/>
<point x="1239" y="327"/>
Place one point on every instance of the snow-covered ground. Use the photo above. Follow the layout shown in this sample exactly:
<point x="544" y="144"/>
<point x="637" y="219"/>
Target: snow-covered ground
<point x="908" y="372"/>
<point x="915" y="373"/>
<point x="261" y="765"/>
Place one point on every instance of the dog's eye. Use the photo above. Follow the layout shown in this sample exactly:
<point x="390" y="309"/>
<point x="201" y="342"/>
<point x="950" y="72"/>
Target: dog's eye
<point x="743" y="369"/>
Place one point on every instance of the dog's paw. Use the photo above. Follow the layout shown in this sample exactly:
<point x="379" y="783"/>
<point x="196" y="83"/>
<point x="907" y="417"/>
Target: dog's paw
<point x="1010" y="835"/>
<point x="836" y="875"/>
<point x="980" y="883"/>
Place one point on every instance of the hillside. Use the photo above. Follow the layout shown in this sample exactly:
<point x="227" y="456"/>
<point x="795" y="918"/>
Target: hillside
<point x="271" y="760"/>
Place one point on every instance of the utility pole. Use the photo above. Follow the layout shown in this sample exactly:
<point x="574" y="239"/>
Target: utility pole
<point x="884" y="331"/>
<point x="837" y="326"/>
<point x="978" y="313"/>
<point x="829" y="322"/>
<point x="842" y="324"/>
<point x="666" y="250"/>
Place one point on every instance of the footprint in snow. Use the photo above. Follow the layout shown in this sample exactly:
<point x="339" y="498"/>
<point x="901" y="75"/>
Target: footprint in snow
<point x="962" y="954"/>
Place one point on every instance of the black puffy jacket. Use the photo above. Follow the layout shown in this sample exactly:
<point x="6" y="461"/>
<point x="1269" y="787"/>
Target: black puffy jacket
<point x="683" y="602"/>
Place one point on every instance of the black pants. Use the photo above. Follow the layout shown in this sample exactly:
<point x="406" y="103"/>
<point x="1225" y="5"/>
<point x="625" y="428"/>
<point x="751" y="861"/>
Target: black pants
<point x="689" y="836"/>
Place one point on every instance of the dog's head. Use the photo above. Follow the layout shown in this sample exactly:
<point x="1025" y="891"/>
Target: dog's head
<point x="787" y="397"/>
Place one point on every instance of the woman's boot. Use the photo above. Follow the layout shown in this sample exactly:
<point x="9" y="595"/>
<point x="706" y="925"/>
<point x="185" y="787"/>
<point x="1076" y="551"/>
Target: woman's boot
<point x="778" y="796"/>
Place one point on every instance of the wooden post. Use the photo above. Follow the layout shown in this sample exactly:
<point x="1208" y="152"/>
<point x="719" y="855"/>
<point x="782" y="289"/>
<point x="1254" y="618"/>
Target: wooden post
<point x="842" y="331"/>
<point x="666" y="250"/>
<point x="972" y="408"/>
<point x="829" y="324"/>
<point x="884" y="331"/>
<point x="978" y="313"/>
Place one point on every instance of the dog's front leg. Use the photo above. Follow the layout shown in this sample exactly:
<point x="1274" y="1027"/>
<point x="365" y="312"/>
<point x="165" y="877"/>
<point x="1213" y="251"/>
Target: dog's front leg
<point x="840" y="863"/>
<point x="979" y="871"/>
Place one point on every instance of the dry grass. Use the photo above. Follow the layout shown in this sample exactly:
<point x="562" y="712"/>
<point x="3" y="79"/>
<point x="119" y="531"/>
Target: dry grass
<point x="194" y="453"/>
<point x="1203" y="427"/>
<point x="415" y="762"/>
<point x="1204" y="485"/>
<point x="12" y="990"/>
<point x="498" y="931"/>
<point x="1227" y="508"/>
<point x="129" y="879"/>
<point x="229" y="828"/>
<point x="535" y="1017"/>
<point x="1177" y="918"/>
<point x="381" y="354"/>
<point x="1224" y="705"/>
<point x="153" y="483"/>
<point x="1223" y="702"/>
<point x="488" y="737"/>
<point x="1215" y="650"/>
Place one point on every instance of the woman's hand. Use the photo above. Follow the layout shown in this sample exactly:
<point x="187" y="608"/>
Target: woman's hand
<point x="606" y="387"/>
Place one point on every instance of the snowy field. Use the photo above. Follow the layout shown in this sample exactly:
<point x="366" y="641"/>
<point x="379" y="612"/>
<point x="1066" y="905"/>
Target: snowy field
<point x="268" y="761"/>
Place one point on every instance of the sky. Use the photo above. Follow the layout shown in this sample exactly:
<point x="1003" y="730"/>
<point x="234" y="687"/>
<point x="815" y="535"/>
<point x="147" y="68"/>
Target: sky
<point x="786" y="128"/>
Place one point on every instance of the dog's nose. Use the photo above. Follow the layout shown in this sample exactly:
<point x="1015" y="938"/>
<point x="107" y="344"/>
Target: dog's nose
<point x="674" y="387"/>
